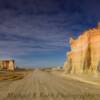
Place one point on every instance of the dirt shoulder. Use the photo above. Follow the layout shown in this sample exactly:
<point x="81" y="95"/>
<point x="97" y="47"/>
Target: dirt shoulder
<point x="85" y="78"/>
<point x="94" y="80"/>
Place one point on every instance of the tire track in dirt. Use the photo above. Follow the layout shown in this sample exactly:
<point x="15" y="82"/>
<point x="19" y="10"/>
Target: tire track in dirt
<point x="41" y="85"/>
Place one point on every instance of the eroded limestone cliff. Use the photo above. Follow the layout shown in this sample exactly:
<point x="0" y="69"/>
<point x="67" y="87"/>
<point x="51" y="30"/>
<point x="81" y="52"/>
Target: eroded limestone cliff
<point x="7" y="65"/>
<point x="84" y="56"/>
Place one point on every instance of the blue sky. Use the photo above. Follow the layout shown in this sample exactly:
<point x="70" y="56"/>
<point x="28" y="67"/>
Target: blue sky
<point x="36" y="32"/>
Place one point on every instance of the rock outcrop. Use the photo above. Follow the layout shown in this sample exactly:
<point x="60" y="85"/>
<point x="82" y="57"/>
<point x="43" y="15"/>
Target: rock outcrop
<point x="7" y="65"/>
<point x="84" y="56"/>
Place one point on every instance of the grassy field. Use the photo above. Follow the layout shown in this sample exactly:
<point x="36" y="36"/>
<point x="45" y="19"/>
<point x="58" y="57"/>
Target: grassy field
<point x="13" y="75"/>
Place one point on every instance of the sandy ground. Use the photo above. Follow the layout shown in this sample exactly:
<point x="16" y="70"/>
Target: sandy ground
<point x="42" y="85"/>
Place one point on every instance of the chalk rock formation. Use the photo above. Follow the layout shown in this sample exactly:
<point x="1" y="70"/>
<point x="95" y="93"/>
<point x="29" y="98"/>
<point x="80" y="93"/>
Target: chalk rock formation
<point x="68" y="63"/>
<point x="84" y="56"/>
<point x="7" y="65"/>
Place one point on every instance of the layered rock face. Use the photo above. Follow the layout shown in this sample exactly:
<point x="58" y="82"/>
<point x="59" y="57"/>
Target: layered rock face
<point x="7" y="65"/>
<point x="84" y="56"/>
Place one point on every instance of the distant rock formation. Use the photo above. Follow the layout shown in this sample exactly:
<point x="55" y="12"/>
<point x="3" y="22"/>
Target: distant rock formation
<point x="84" y="56"/>
<point x="7" y="65"/>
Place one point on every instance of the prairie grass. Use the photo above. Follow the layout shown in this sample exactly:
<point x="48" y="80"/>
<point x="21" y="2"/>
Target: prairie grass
<point x="12" y="75"/>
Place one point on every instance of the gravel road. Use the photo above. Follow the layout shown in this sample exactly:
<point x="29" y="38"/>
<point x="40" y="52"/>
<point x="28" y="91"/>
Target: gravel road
<point x="42" y="85"/>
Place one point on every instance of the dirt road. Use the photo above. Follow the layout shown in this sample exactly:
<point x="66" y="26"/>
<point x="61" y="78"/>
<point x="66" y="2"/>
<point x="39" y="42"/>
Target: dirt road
<point x="41" y="85"/>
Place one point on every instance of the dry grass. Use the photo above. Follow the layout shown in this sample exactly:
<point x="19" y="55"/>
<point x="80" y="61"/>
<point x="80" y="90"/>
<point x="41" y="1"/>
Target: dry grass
<point x="13" y="75"/>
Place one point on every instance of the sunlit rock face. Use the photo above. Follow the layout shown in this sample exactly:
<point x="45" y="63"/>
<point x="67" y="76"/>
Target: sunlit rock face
<point x="84" y="56"/>
<point x="7" y="65"/>
<point x="68" y="63"/>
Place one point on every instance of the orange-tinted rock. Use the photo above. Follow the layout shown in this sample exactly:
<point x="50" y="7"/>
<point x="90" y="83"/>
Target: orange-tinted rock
<point x="85" y="52"/>
<point x="7" y="65"/>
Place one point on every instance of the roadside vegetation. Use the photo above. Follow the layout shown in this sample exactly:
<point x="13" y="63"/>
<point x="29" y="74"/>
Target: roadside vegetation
<point x="13" y="75"/>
